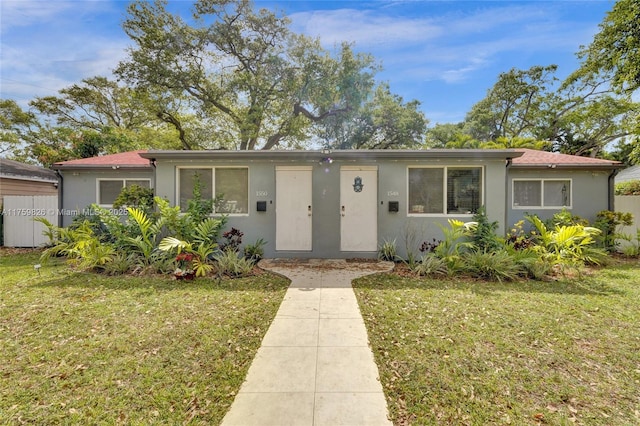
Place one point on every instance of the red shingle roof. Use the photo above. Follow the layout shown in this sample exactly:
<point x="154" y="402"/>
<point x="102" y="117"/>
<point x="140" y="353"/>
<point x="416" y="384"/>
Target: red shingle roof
<point x="123" y="159"/>
<point x="534" y="158"/>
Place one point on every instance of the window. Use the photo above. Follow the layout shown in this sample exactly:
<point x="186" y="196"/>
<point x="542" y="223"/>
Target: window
<point x="432" y="189"/>
<point x="109" y="189"/>
<point x="230" y="184"/>
<point x="232" y="187"/>
<point x="542" y="193"/>
<point x="190" y="180"/>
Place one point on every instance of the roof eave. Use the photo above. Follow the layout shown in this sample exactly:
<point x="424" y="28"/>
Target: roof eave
<point x="99" y="167"/>
<point x="336" y="155"/>
<point x="568" y="166"/>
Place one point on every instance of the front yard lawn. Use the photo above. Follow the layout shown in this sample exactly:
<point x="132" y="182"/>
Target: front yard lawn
<point x="457" y="351"/>
<point x="83" y="348"/>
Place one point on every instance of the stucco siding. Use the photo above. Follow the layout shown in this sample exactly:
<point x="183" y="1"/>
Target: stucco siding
<point x="392" y="185"/>
<point x="79" y="188"/>
<point x="589" y="193"/>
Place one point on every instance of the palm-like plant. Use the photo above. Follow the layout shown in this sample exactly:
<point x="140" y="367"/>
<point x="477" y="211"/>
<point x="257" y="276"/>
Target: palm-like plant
<point x="145" y="243"/>
<point x="202" y="247"/>
<point x="567" y="244"/>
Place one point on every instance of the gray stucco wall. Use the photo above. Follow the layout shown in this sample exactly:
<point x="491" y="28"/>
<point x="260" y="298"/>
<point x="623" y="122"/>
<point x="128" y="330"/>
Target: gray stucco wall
<point x="79" y="188"/>
<point x="590" y="192"/>
<point x="392" y="186"/>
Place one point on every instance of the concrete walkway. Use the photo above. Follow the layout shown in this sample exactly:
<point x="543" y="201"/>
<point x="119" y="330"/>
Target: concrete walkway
<point x="315" y="366"/>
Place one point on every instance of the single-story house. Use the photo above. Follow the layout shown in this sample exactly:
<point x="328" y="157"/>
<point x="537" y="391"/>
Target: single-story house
<point x="345" y="204"/>
<point x="99" y="180"/>
<point x="24" y="179"/>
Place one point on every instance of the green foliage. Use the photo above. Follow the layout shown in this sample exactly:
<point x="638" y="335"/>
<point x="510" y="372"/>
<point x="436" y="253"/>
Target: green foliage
<point x="631" y="187"/>
<point x="135" y="196"/>
<point x="531" y="264"/>
<point x="497" y="265"/>
<point x="483" y="233"/>
<point x="149" y="229"/>
<point x="607" y="221"/>
<point x="430" y="265"/>
<point x="121" y="263"/>
<point x="457" y="238"/>
<point x="80" y="245"/>
<point x="199" y="208"/>
<point x="567" y="245"/>
<point x="231" y="263"/>
<point x="518" y="238"/>
<point x="615" y="49"/>
<point x="388" y="251"/>
<point x="255" y="251"/>
<point x="106" y="225"/>
<point x="565" y="218"/>
<point x="275" y="86"/>
<point x="202" y="246"/>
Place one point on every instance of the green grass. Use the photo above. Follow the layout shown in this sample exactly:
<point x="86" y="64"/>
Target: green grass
<point x="80" y="348"/>
<point x="467" y="352"/>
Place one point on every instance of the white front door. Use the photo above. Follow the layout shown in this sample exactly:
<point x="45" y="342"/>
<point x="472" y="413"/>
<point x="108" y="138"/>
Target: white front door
<point x="359" y="208"/>
<point x="293" y="208"/>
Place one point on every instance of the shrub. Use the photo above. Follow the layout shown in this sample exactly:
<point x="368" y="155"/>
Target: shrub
<point x="120" y="264"/>
<point x="517" y="238"/>
<point x="232" y="240"/>
<point x="567" y="245"/>
<point x="135" y="196"/>
<point x="429" y="246"/>
<point x="631" y="187"/>
<point x="230" y="263"/>
<point x="201" y="247"/>
<point x="607" y="222"/>
<point x="498" y="265"/>
<point x="254" y="252"/>
<point x="565" y="218"/>
<point x="483" y="233"/>
<point x="388" y="251"/>
<point x="430" y="265"/>
<point x="457" y="239"/>
<point x="80" y="245"/>
<point x="531" y="263"/>
<point x="149" y="229"/>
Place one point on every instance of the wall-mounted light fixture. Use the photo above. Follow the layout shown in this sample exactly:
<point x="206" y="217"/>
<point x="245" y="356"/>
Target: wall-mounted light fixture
<point x="326" y="160"/>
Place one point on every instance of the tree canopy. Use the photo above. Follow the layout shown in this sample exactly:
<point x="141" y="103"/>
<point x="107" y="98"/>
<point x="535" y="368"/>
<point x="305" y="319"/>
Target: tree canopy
<point x="246" y="71"/>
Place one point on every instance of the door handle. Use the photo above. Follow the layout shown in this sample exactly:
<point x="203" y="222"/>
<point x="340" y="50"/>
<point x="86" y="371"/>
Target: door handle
<point x="342" y="211"/>
<point x="309" y="211"/>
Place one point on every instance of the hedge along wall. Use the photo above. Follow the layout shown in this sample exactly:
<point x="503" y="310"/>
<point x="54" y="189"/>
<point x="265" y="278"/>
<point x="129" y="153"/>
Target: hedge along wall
<point x="628" y="204"/>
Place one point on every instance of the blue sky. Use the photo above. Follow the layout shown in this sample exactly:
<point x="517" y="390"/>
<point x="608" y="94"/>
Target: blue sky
<point x="446" y="54"/>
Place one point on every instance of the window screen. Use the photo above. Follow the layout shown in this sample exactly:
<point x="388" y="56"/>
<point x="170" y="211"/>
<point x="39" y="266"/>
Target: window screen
<point x="109" y="191"/>
<point x="232" y="185"/>
<point x="192" y="179"/>
<point x="426" y="190"/>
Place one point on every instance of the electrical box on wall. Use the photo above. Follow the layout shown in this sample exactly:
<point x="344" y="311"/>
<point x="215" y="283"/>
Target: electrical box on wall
<point x="394" y="206"/>
<point x="261" y="206"/>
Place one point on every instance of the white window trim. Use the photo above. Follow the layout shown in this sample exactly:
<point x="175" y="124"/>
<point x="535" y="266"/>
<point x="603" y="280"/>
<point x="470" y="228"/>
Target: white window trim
<point x="213" y="183"/>
<point x="124" y="183"/>
<point x="444" y="189"/>
<point x="569" y="206"/>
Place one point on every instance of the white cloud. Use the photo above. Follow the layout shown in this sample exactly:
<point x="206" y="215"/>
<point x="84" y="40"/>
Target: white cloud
<point x="451" y="47"/>
<point x="365" y="27"/>
<point x="52" y="45"/>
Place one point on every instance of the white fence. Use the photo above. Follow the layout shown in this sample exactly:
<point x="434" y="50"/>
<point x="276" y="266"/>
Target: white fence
<point x="628" y="204"/>
<point x="20" y="230"/>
